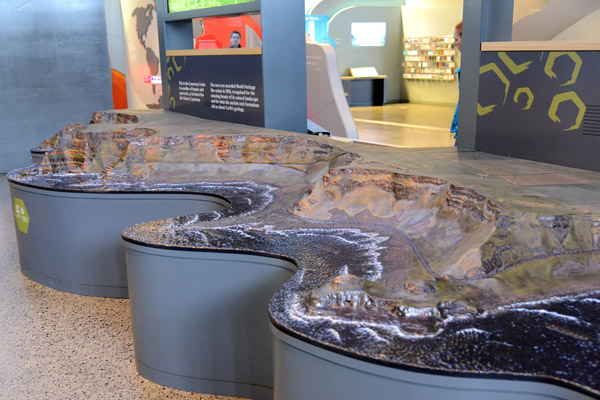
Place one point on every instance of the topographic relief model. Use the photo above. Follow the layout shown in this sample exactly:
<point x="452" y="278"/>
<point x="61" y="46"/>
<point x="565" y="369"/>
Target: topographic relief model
<point x="394" y="266"/>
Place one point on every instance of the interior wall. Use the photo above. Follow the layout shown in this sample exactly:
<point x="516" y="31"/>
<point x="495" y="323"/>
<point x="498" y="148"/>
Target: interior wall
<point x="387" y="59"/>
<point x="419" y="21"/>
<point x="587" y="28"/>
<point x="115" y="35"/>
<point x="116" y="52"/>
<point x="140" y="28"/>
<point x="54" y="69"/>
<point x="525" y="8"/>
<point x="423" y="18"/>
<point x="552" y="19"/>
<point x="309" y="5"/>
<point x="435" y="3"/>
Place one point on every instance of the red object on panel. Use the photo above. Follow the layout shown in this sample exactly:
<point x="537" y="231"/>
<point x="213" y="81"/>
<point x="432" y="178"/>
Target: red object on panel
<point x="217" y="31"/>
<point x="119" y="90"/>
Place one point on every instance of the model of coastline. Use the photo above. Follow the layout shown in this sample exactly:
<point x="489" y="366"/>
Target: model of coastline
<point x="393" y="267"/>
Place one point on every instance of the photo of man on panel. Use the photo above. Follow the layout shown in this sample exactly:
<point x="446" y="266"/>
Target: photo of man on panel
<point x="234" y="39"/>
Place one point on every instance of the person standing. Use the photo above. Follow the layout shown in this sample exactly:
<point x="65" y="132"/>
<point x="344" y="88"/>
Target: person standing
<point x="457" y="46"/>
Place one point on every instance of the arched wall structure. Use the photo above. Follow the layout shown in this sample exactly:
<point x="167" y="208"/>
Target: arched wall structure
<point x="332" y="7"/>
<point x="387" y="59"/>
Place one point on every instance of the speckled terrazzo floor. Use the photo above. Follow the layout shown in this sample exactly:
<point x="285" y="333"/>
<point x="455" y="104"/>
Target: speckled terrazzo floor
<point x="56" y="345"/>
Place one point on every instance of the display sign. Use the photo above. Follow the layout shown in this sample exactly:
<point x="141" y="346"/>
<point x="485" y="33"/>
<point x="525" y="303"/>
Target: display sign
<point x="153" y="79"/>
<point x="364" y="72"/>
<point x="223" y="88"/>
<point x="317" y="28"/>
<point x="541" y="106"/>
<point x="21" y="215"/>
<point x="188" y="5"/>
<point x="368" y="34"/>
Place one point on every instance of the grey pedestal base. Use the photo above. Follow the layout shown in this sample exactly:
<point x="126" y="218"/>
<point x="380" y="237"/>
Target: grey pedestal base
<point x="206" y="386"/>
<point x="37" y="155"/>
<point x="304" y="371"/>
<point x="82" y="288"/>
<point x="73" y="240"/>
<point x="200" y="318"/>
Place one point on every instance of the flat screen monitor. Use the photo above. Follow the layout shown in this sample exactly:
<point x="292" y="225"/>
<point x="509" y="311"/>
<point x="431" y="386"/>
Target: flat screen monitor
<point x="366" y="34"/>
<point x="189" y="5"/>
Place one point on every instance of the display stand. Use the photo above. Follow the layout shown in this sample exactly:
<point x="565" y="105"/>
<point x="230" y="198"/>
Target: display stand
<point x="305" y="371"/>
<point x="72" y="239"/>
<point x="200" y="319"/>
<point x="367" y="91"/>
<point x="296" y="246"/>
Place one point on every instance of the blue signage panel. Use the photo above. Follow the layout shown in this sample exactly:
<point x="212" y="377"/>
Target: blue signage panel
<point x="223" y="88"/>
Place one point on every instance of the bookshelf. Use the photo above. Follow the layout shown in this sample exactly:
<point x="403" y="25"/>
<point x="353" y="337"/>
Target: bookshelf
<point x="429" y="58"/>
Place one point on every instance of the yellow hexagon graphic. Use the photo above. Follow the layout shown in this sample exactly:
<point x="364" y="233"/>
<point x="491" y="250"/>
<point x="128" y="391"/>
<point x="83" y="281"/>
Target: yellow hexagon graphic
<point x="483" y="110"/>
<point x="548" y="69"/>
<point x="21" y="215"/>
<point x="514" y="68"/>
<point x="561" y="98"/>
<point x="528" y="92"/>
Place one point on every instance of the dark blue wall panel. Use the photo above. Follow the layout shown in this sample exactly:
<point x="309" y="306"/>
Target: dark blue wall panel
<point x="542" y="106"/>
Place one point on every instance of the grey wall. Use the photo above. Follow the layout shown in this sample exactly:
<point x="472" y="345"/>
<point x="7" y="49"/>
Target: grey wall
<point x="387" y="60"/>
<point x="54" y="69"/>
<point x="284" y="64"/>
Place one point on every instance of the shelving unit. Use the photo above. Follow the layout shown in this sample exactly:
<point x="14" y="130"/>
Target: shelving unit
<point x="429" y="58"/>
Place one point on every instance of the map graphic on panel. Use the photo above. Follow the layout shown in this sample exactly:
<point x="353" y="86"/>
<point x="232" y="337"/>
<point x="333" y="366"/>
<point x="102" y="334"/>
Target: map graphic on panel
<point x="142" y="53"/>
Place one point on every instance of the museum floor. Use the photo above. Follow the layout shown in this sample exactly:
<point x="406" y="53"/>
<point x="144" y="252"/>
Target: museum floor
<point x="405" y="124"/>
<point x="56" y="345"/>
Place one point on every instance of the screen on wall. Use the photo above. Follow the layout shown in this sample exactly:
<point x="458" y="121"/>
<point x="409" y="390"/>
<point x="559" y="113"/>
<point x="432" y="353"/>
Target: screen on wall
<point x="368" y="34"/>
<point x="188" y="5"/>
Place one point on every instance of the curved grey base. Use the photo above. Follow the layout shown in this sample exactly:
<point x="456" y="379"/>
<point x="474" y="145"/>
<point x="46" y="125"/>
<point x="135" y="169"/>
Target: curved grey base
<point x="73" y="242"/>
<point x="237" y="389"/>
<point x="304" y="371"/>
<point x="74" y="287"/>
<point x="200" y="319"/>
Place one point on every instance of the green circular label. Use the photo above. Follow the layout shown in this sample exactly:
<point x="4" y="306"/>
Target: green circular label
<point x="21" y="215"/>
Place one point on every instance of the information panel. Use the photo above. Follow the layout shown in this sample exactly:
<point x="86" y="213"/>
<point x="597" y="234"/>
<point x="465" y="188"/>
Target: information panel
<point x="224" y="88"/>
